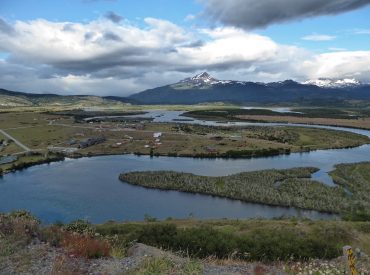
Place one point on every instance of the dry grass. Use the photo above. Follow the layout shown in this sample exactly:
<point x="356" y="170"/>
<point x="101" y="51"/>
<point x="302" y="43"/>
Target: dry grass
<point x="85" y="246"/>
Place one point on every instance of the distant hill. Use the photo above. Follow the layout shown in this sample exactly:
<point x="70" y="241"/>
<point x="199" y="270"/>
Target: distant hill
<point x="19" y="99"/>
<point x="205" y="88"/>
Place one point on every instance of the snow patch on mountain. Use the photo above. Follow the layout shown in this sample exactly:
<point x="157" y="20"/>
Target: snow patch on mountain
<point x="201" y="79"/>
<point x="333" y="83"/>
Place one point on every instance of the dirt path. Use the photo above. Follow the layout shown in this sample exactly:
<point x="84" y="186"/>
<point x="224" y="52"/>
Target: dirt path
<point x="20" y="144"/>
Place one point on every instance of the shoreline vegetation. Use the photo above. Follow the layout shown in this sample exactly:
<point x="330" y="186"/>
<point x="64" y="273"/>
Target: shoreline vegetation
<point x="287" y="188"/>
<point x="351" y="118"/>
<point x="30" y="159"/>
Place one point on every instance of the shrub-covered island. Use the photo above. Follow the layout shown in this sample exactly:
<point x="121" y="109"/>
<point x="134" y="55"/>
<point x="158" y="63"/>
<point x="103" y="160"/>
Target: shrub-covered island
<point x="291" y="187"/>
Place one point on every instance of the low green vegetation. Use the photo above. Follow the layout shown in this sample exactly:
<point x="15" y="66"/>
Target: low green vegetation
<point x="232" y="240"/>
<point x="291" y="188"/>
<point x="261" y="240"/>
<point x="356" y="179"/>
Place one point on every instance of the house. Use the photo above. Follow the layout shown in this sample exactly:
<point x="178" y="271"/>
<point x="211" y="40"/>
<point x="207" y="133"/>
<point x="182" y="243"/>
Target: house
<point x="157" y="135"/>
<point x="91" y="141"/>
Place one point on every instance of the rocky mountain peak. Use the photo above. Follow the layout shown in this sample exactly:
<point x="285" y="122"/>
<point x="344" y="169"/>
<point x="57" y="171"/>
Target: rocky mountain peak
<point x="202" y="78"/>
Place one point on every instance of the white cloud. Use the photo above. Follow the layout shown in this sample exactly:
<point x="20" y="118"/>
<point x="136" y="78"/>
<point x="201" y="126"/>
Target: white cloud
<point x="190" y="17"/>
<point x="339" y="65"/>
<point x="318" y="37"/>
<point x="102" y="57"/>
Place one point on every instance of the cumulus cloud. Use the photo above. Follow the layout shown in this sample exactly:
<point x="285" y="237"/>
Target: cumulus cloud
<point x="250" y="14"/>
<point x="345" y="64"/>
<point x="318" y="37"/>
<point x="105" y="58"/>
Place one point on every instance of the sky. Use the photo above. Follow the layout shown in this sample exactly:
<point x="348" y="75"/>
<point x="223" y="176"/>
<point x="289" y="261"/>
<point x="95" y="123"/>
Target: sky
<point x="120" y="47"/>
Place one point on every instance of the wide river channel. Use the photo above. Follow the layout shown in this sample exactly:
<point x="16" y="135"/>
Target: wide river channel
<point x="88" y="188"/>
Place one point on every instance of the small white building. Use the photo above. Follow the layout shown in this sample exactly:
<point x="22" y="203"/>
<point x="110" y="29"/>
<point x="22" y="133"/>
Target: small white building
<point x="157" y="135"/>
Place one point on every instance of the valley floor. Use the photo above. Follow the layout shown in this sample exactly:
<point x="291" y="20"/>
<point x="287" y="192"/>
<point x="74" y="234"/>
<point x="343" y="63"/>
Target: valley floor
<point x="49" y="136"/>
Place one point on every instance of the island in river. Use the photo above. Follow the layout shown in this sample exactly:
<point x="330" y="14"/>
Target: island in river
<point x="291" y="187"/>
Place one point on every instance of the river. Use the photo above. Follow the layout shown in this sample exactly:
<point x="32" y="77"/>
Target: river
<point x="89" y="188"/>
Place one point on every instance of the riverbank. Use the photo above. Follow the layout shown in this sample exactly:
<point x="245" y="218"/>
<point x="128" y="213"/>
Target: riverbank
<point x="291" y="188"/>
<point x="28" y="160"/>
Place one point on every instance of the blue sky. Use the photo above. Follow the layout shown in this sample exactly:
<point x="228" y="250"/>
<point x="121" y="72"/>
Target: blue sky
<point x="342" y="26"/>
<point x="222" y="37"/>
<point x="86" y="10"/>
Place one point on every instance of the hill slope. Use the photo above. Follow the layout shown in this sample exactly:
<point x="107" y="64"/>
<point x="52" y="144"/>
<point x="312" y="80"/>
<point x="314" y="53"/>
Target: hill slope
<point x="18" y="99"/>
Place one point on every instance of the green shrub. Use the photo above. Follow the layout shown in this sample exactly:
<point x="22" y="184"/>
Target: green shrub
<point x="80" y="226"/>
<point x="260" y="244"/>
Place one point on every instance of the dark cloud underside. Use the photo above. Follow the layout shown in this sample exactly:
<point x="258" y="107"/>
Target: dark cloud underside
<point x="114" y="17"/>
<point x="250" y="14"/>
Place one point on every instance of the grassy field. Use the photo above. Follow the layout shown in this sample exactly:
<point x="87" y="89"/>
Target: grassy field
<point x="35" y="130"/>
<point x="11" y="148"/>
<point x="42" y="131"/>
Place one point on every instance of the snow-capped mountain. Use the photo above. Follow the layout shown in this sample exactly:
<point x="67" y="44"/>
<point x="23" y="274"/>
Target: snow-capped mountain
<point x="205" y="88"/>
<point x="333" y="83"/>
<point x="201" y="79"/>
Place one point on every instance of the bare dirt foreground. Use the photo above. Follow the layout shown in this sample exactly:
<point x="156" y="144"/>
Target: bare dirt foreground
<point x="143" y="259"/>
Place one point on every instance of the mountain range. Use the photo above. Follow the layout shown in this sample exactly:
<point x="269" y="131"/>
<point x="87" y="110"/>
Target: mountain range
<point x="203" y="88"/>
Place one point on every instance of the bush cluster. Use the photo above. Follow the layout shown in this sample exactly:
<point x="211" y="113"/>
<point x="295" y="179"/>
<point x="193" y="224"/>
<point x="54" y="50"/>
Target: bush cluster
<point x="261" y="244"/>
